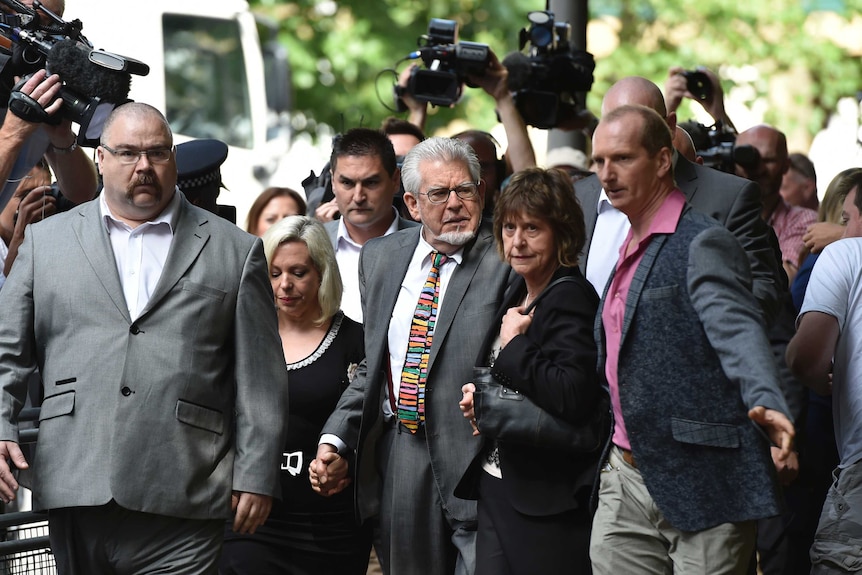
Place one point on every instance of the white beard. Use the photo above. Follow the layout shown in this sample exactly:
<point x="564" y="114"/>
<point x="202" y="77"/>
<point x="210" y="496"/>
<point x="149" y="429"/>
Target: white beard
<point x="456" y="238"/>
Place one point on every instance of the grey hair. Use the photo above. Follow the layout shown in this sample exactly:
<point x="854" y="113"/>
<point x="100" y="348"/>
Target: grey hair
<point x="312" y="233"/>
<point x="437" y="149"/>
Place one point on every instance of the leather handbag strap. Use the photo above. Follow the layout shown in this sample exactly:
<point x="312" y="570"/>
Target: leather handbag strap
<point x="546" y="290"/>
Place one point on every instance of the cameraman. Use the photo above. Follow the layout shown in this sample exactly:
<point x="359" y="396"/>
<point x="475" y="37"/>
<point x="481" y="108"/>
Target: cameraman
<point x="23" y="143"/>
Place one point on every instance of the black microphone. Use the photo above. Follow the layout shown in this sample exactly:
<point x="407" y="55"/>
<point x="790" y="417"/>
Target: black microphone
<point x="518" y="66"/>
<point x="70" y="60"/>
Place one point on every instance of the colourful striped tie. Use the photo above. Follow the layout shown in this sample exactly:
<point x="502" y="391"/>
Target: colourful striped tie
<point x="411" y="393"/>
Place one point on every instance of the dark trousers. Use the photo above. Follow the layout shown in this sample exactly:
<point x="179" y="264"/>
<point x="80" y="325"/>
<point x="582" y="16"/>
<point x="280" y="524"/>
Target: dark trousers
<point x="110" y="539"/>
<point x="511" y="543"/>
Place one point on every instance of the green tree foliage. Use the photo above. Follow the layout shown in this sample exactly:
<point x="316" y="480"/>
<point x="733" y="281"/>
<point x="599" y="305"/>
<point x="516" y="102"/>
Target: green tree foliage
<point x="801" y="61"/>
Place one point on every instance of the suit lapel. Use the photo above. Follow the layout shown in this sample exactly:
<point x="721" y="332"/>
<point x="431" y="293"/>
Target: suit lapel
<point x="457" y="289"/>
<point x="638" y="281"/>
<point x="588" y="191"/>
<point x="190" y="236"/>
<point x="685" y="176"/>
<point x="93" y="237"/>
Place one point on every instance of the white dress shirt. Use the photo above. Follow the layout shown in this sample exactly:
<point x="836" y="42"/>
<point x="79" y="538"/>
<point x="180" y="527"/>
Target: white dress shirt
<point x="612" y="227"/>
<point x="347" y="256"/>
<point x="140" y="252"/>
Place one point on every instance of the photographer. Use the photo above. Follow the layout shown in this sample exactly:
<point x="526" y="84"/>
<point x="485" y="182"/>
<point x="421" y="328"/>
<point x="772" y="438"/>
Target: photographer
<point x="23" y="143"/>
<point x="676" y="87"/>
<point x="31" y="202"/>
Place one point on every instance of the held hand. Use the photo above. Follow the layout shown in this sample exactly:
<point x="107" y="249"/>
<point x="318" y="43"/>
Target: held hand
<point x="514" y="323"/>
<point x="777" y="427"/>
<point x="676" y="88"/>
<point x="43" y="89"/>
<point x="328" y="473"/>
<point x="250" y="510"/>
<point x="10" y="451"/>
<point x="37" y="205"/>
<point x="466" y="405"/>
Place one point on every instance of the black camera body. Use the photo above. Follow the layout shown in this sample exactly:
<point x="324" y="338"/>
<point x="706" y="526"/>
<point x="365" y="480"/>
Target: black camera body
<point x="549" y="81"/>
<point x="717" y="147"/>
<point x="94" y="81"/>
<point x="448" y="63"/>
<point x="698" y="84"/>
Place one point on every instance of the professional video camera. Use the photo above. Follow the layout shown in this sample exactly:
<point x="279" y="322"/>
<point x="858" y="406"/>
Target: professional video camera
<point x="549" y="81"/>
<point x="717" y="146"/>
<point x="94" y="81"/>
<point x="448" y="63"/>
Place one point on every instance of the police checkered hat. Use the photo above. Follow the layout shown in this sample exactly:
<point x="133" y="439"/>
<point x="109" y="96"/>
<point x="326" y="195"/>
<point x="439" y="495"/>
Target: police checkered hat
<point x="198" y="164"/>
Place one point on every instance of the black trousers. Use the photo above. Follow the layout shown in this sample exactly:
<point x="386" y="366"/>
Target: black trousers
<point x="512" y="543"/>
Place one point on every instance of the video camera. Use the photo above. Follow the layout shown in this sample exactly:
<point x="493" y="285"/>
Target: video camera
<point x="94" y="81"/>
<point x="717" y="146"/>
<point x="447" y="65"/>
<point x="548" y="81"/>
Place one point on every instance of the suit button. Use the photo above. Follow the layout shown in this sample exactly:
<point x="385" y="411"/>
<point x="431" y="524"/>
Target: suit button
<point x="126" y="391"/>
<point x="135" y="329"/>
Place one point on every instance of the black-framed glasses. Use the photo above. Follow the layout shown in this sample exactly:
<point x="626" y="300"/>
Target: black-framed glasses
<point x="466" y="191"/>
<point x="129" y="157"/>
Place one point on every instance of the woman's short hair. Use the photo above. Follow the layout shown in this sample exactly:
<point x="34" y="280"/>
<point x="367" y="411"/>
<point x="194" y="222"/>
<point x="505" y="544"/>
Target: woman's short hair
<point x="437" y="150"/>
<point x="547" y="195"/>
<point x="263" y="200"/>
<point x="312" y="233"/>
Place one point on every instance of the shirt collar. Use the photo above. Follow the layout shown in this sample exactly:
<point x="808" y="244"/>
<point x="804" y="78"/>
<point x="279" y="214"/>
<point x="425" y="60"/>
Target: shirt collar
<point x="342" y="233"/>
<point x="167" y="216"/>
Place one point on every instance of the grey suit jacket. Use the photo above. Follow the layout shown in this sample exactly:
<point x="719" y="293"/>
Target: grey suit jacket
<point x="694" y="358"/>
<point x="165" y="414"/>
<point x="735" y="203"/>
<point x="472" y="296"/>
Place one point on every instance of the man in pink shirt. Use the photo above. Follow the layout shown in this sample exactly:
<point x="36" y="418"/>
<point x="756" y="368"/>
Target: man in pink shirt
<point x="694" y="390"/>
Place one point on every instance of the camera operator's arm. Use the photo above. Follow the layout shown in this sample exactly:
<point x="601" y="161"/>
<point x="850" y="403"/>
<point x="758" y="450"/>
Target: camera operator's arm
<point x="75" y="171"/>
<point x="519" y="153"/>
<point x="418" y="110"/>
<point x="36" y="205"/>
<point x="675" y="89"/>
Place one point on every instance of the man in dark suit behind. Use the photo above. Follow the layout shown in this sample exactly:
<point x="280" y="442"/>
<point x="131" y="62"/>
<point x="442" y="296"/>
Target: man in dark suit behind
<point x="408" y="477"/>
<point x="689" y="368"/>
<point x="151" y="323"/>
<point x="365" y="179"/>
<point x="733" y="201"/>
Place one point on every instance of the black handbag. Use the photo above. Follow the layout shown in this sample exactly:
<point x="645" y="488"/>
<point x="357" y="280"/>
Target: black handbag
<point x="506" y="415"/>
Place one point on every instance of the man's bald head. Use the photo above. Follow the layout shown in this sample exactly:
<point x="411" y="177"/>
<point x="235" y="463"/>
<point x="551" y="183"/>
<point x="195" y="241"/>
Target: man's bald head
<point x="634" y="91"/>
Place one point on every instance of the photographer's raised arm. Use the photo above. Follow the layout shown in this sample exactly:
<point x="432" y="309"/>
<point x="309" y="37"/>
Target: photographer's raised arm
<point x="495" y="81"/>
<point x="75" y="171"/>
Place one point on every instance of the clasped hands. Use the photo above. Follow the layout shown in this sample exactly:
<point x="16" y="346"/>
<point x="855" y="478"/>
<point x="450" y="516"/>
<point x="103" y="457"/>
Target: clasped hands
<point x="328" y="472"/>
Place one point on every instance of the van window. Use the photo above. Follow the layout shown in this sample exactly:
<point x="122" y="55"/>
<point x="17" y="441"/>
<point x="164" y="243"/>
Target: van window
<point x="206" y="92"/>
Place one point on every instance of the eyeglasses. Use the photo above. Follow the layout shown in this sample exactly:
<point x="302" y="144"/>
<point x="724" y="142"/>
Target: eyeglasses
<point x="129" y="157"/>
<point x="468" y="191"/>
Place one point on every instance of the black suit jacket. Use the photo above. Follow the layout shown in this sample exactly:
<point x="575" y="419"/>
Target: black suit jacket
<point x="733" y="201"/>
<point x="554" y="364"/>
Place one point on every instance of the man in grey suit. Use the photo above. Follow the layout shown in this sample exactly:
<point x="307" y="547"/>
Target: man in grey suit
<point x="406" y="474"/>
<point x="165" y="388"/>
<point x="365" y="178"/>
<point x="693" y="387"/>
<point x="733" y="201"/>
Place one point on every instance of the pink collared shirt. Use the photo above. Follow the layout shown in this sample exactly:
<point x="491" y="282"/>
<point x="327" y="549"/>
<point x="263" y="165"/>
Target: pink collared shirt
<point x="790" y="224"/>
<point x="664" y="222"/>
